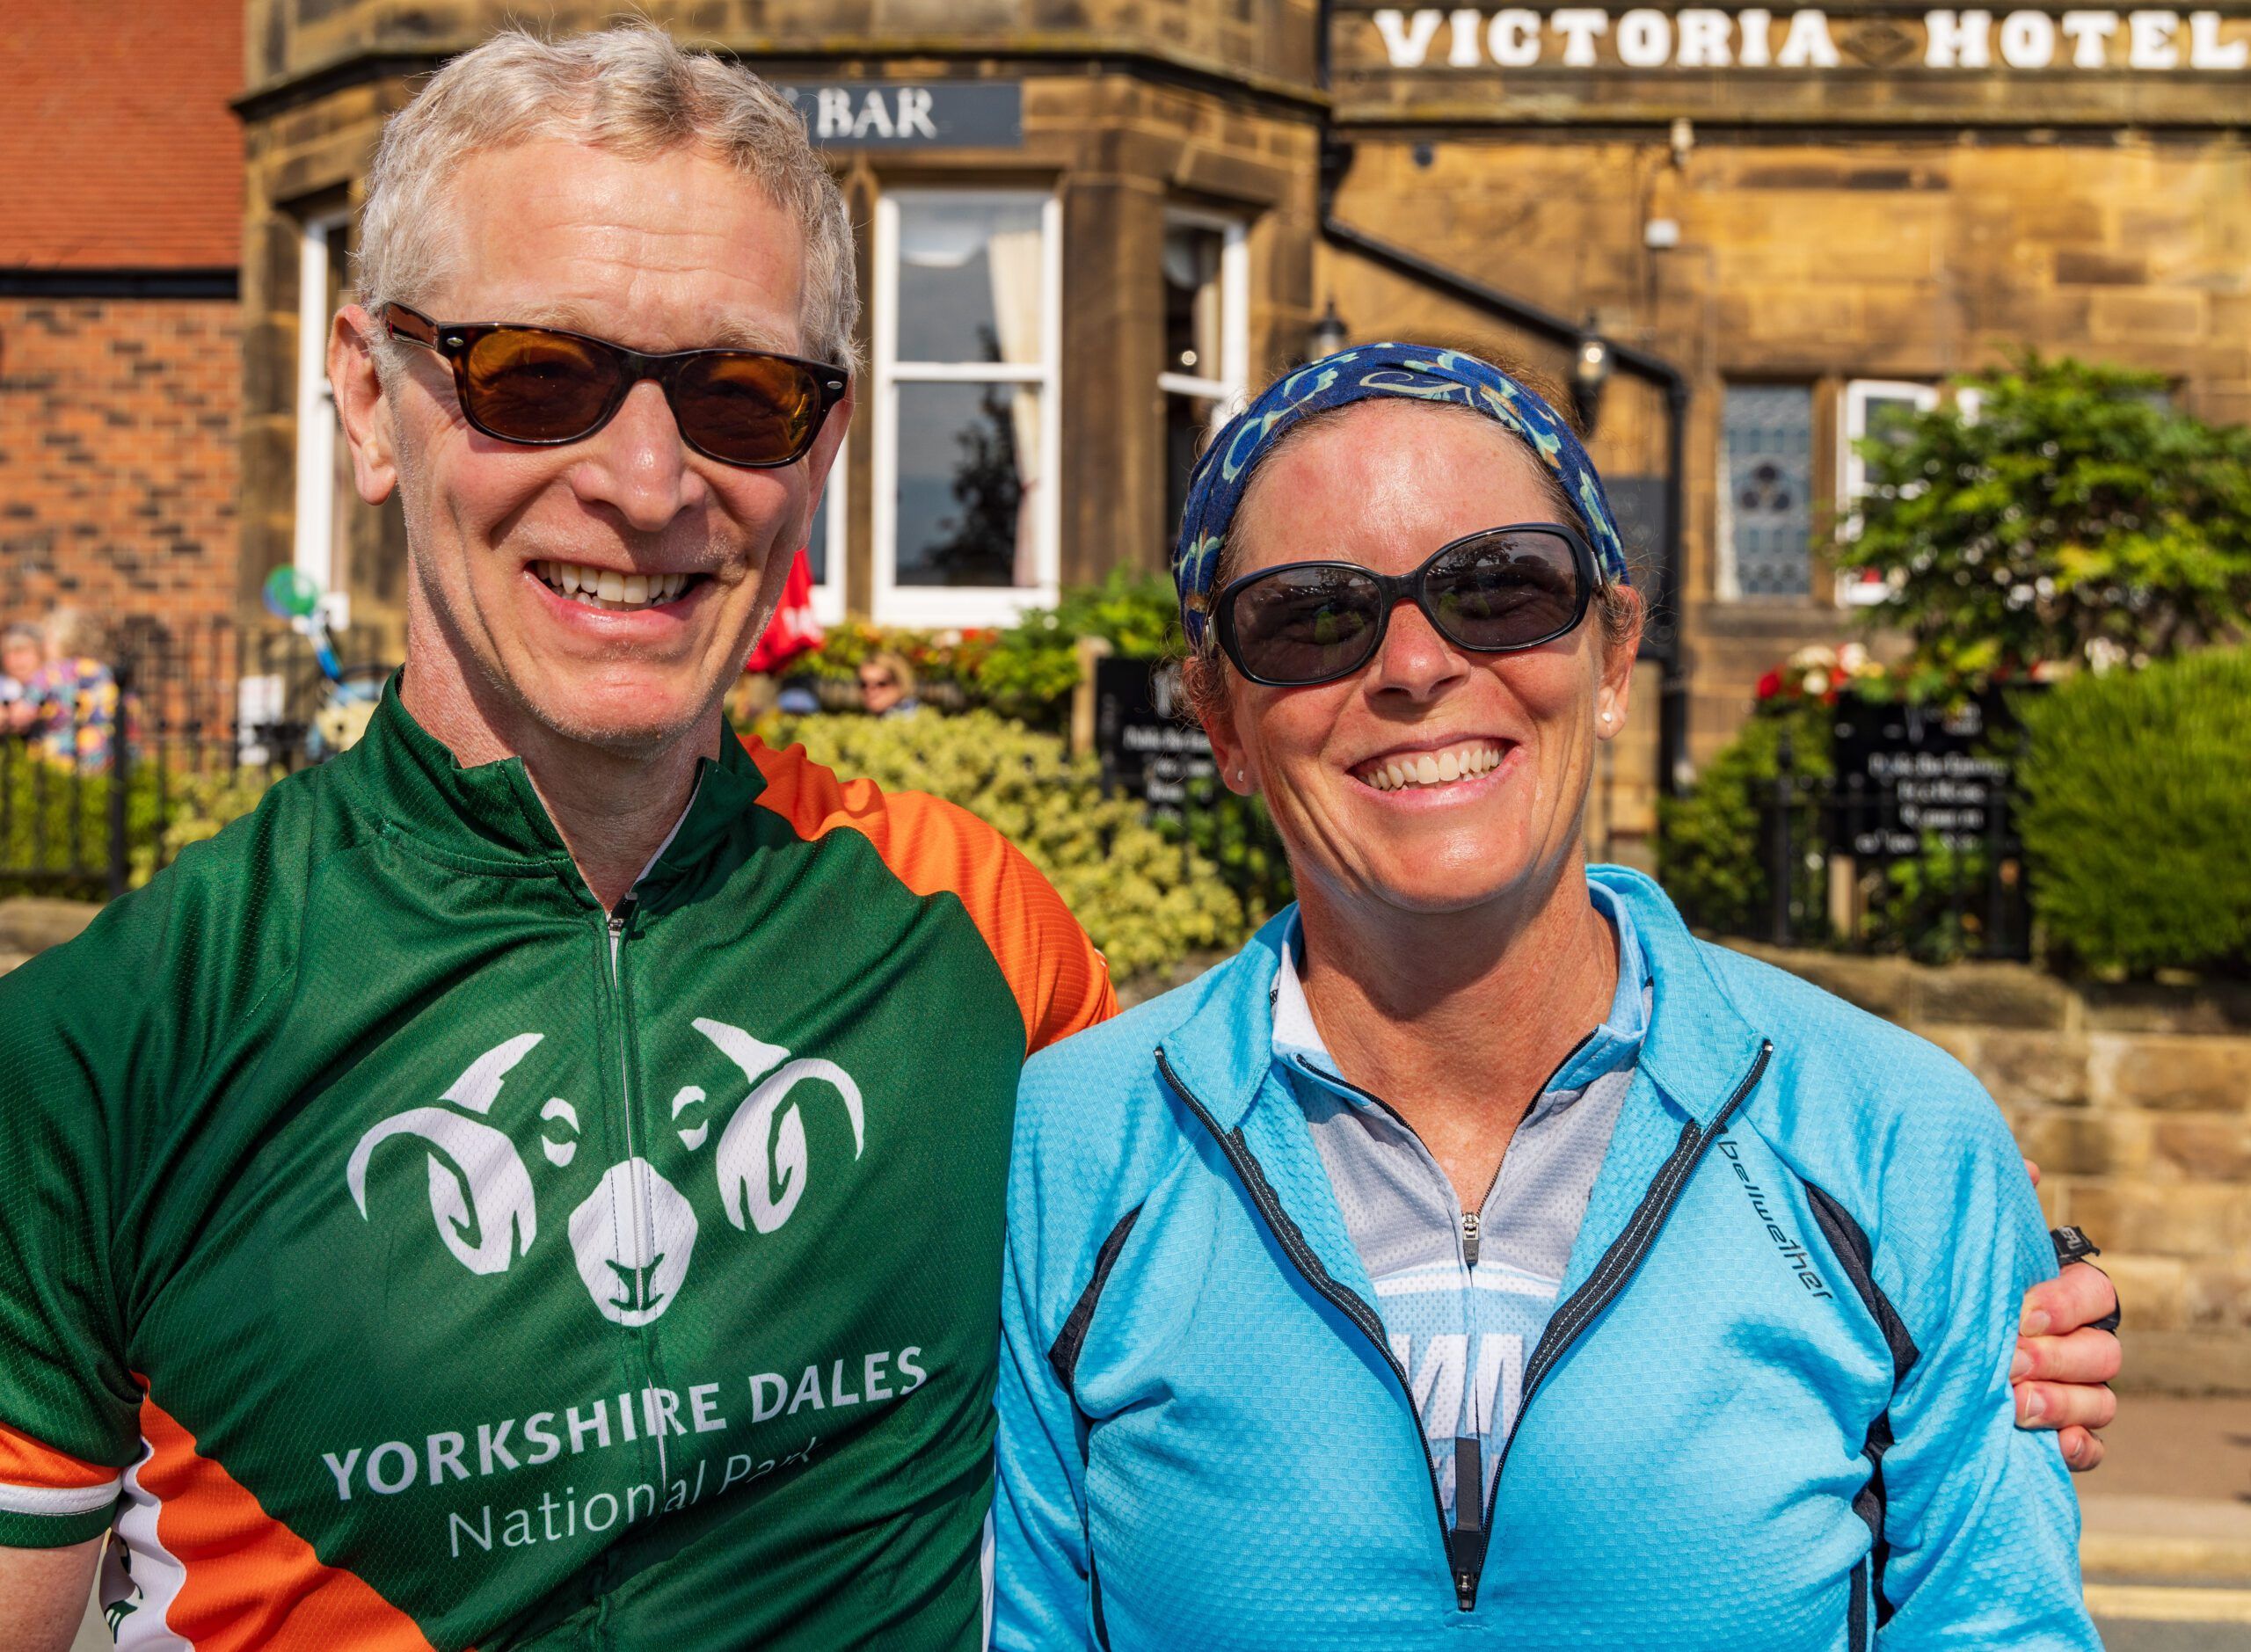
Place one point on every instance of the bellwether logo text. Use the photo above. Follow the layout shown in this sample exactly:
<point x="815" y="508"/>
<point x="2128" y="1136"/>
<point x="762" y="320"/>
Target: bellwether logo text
<point x="634" y="1235"/>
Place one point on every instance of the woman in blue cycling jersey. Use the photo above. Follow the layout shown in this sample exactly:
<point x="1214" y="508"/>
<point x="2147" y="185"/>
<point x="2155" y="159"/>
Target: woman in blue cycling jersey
<point x="1479" y="1253"/>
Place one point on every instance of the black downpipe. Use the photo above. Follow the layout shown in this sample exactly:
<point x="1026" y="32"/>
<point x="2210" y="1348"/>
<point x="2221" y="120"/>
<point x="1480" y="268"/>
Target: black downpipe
<point x="1663" y="644"/>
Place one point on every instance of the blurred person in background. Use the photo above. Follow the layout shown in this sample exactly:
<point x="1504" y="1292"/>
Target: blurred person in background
<point x="1477" y="1250"/>
<point x="887" y="685"/>
<point x="22" y="652"/>
<point x="69" y="704"/>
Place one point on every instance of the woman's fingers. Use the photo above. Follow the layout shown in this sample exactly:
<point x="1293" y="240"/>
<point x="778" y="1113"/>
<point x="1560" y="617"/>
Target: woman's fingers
<point x="2080" y="1295"/>
<point x="2083" y="1356"/>
<point x="2082" y="1451"/>
<point x="2032" y="1170"/>
<point x="2057" y="1405"/>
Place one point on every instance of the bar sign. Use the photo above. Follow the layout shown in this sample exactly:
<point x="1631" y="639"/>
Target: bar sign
<point x="891" y="114"/>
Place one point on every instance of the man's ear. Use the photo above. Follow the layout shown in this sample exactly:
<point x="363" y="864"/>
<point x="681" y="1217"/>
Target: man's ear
<point x="363" y="405"/>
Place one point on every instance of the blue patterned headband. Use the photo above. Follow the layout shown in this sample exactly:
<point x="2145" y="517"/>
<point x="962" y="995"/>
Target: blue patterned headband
<point x="1216" y="486"/>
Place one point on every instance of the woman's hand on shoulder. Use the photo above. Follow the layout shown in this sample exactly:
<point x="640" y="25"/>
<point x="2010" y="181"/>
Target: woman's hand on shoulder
<point x="2064" y="1365"/>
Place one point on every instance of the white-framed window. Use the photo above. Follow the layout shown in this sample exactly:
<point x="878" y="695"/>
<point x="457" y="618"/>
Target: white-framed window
<point x="1873" y="407"/>
<point x="325" y="492"/>
<point x="968" y="418"/>
<point x="1206" y="275"/>
<point x="825" y="543"/>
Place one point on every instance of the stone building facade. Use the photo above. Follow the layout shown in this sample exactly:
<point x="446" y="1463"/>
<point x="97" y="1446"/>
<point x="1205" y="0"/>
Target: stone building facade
<point x="1087" y="224"/>
<point x="120" y="362"/>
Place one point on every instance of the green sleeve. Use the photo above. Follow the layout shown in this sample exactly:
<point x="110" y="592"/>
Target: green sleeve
<point x="68" y="1407"/>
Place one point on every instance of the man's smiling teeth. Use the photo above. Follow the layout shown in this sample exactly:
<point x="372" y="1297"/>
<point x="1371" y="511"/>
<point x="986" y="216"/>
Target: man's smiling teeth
<point x="1431" y="768"/>
<point x="606" y="588"/>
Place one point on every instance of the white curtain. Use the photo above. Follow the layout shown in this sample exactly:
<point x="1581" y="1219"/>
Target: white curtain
<point x="1014" y="256"/>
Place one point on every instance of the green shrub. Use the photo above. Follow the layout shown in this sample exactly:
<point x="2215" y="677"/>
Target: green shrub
<point x="1147" y="898"/>
<point x="2077" y="516"/>
<point x="1032" y="666"/>
<point x="2136" y="815"/>
<point x="1713" y="853"/>
<point x="1028" y="670"/>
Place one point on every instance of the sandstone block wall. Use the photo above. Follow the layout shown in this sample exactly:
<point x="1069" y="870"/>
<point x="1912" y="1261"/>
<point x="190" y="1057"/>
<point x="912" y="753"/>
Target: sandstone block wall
<point x="2136" y="1104"/>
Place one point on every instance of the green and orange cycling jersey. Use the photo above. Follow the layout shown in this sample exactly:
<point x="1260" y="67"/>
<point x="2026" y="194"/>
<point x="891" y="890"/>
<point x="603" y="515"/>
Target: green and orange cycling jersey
<point x="397" y="1251"/>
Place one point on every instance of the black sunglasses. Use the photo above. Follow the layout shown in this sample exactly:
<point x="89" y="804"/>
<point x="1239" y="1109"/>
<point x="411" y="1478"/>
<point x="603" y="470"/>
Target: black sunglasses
<point x="1493" y="592"/>
<point x="543" y="387"/>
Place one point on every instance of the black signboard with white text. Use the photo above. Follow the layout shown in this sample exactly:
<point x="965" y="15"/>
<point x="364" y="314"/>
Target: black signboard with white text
<point x="894" y="114"/>
<point x="1924" y="772"/>
<point x="1149" y="750"/>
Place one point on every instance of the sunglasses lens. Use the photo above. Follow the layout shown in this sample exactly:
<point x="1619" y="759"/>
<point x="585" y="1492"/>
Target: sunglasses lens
<point x="1306" y="624"/>
<point x="1508" y="589"/>
<point x="746" y="409"/>
<point x="527" y="385"/>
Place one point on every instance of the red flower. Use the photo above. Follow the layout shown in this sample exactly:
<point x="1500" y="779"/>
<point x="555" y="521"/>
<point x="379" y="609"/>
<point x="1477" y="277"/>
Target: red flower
<point x="1770" y="685"/>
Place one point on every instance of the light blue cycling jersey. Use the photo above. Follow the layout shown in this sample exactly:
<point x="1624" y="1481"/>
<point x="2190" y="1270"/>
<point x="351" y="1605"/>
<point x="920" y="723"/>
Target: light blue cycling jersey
<point x="1771" y="1408"/>
<point x="1464" y="1294"/>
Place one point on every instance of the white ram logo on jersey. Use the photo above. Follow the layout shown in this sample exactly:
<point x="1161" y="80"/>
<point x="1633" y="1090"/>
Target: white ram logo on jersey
<point x="633" y="1236"/>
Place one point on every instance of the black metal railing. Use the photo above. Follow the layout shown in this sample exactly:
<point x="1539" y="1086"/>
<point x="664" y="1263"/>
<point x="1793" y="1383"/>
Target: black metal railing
<point x="89" y="818"/>
<point x="1925" y="862"/>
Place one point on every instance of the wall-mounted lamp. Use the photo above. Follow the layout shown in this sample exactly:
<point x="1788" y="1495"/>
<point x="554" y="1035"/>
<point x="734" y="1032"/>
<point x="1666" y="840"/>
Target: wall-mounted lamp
<point x="1329" y="335"/>
<point x="1589" y="372"/>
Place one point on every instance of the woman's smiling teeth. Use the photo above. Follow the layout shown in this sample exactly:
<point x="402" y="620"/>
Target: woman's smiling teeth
<point x="1430" y="768"/>
<point x="606" y="588"/>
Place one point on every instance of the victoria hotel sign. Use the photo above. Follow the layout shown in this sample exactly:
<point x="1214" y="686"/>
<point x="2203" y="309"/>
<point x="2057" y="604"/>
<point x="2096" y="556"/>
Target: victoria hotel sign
<point x="1755" y="38"/>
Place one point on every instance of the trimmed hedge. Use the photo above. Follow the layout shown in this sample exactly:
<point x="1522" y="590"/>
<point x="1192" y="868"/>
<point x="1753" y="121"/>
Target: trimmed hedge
<point x="1148" y="900"/>
<point x="2136" y="815"/>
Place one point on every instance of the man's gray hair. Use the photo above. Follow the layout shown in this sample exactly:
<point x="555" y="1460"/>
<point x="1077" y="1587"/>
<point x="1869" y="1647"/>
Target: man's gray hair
<point x="631" y="91"/>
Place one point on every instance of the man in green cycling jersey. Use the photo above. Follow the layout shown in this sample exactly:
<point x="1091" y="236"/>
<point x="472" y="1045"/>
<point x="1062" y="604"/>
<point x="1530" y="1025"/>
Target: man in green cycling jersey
<point x="537" y="1183"/>
<point x="539" y="1180"/>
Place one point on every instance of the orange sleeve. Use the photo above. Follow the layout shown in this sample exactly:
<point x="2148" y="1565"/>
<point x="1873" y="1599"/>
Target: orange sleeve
<point x="1061" y="983"/>
<point x="26" y="1463"/>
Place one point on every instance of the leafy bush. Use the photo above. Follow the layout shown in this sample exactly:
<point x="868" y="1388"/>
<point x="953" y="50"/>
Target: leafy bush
<point x="2076" y="517"/>
<point x="1713" y="853"/>
<point x="1147" y="898"/>
<point x="2136" y="815"/>
<point x="1028" y="670"/>
<point x="1033" y="666"/>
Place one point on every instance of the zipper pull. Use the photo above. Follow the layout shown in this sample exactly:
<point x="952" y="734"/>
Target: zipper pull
<point x="1469" y="1239"/>
<point x="1466" y="1543"/>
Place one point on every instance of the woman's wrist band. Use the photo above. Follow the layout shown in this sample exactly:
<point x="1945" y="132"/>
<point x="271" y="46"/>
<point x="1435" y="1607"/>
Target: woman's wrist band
<point x="2072" y="1245"/>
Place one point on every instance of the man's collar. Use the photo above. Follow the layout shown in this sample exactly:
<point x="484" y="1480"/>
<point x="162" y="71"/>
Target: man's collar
<point x="490" y="816"/>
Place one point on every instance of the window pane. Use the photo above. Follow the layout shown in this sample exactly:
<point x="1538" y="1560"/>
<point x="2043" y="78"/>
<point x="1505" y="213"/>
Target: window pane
<point x="1890" y="417"/>
<point x="1186" y="420"/>
<point x="968" y="277"/>
<point x="968" y="460"/>
<point x="1769" y="437"/>
<point x="1191" y="300"/>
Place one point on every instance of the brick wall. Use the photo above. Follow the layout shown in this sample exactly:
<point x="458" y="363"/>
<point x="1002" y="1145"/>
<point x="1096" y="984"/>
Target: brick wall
<point x="118" y="458"/>
<point x="2136" y="1104"/>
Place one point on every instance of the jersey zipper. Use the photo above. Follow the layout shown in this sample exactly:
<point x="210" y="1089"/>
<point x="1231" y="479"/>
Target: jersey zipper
<point x="1617" y="1268"/>
<point x="1465" y="1541"/>
<point x="615" y="924"/>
